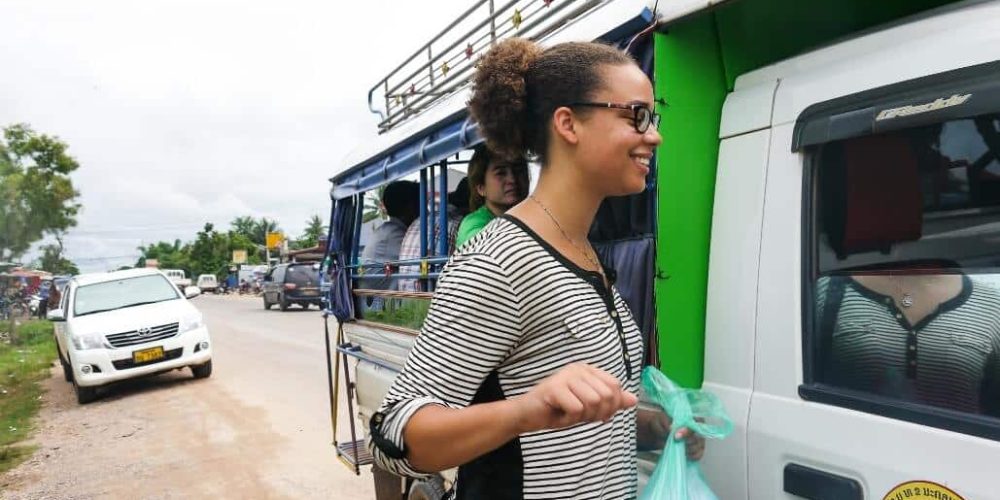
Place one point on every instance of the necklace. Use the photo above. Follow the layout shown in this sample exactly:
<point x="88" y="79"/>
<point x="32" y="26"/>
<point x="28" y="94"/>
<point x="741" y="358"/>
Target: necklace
<point x="906" y="298"/>
<point x="597" y="265"/>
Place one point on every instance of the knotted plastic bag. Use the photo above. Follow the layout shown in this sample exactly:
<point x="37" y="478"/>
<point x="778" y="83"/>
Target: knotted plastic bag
<point x="675" y="477"/>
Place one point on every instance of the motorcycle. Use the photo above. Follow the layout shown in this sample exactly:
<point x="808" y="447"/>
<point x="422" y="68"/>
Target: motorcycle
<point x="34" y="304"/>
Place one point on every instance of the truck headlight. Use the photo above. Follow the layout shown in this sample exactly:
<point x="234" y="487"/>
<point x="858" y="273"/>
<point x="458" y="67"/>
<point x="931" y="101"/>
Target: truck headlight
<point x="88" y="341"/>
<point x="191" y="323"/>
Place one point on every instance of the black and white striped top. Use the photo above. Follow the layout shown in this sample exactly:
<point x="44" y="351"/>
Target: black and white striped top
<point x="950" y="359"/>
<point x="509" y="311"/>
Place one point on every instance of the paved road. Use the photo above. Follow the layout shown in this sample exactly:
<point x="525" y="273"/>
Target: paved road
<point x="258" y="428"/>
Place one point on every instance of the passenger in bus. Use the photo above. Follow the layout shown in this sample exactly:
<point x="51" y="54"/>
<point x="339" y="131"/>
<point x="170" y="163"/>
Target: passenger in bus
<point x="497" y="185"/>
<point x="526" y="369"/>
<point x="458" y="207"/>
<point x="401" y="201"/>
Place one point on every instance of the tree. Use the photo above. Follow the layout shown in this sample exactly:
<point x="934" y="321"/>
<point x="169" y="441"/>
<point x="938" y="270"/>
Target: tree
<point x="315" y="231"/>
<point x="52" y="259"/>
<point x="261" y="228"/>
<point x="245" y="226"/>
<point x="373" y="206"/>
<point x="36" y="194"/>
<point x="170" y="255"/>
<point x="210" y="252"/>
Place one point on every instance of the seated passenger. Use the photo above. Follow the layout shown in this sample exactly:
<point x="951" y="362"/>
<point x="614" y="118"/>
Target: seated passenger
<point x="458" y="207"/>
<point x="401" y="201"/>
<point x="496" y="185"/>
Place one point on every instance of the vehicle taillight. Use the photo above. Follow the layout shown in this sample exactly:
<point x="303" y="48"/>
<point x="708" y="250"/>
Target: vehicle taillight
<point x="289" y="286"/>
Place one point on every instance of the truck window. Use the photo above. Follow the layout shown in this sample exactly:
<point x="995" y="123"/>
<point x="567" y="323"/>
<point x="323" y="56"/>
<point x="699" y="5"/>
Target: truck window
<point x="906" y="266"/>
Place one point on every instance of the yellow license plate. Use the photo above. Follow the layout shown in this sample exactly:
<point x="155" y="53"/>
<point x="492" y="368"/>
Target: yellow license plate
<point x="147" y="355"/>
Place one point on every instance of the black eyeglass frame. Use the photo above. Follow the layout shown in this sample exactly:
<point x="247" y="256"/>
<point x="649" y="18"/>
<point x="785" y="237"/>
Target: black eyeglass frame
<point x="641" y="126"/>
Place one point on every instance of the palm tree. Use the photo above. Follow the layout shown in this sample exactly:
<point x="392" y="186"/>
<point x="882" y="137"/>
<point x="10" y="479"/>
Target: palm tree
<point x="373" y="206"/>
<point x="315" y="231"/>
<point x="261" y="228"/>
<point x="244" y="225"/>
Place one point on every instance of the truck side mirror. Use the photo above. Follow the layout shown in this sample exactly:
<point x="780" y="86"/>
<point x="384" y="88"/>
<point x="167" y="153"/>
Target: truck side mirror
<point x="56" y="315"/>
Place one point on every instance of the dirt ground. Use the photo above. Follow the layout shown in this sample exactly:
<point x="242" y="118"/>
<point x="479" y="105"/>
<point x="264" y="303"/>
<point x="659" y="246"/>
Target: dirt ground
<point x="258" y="428"/>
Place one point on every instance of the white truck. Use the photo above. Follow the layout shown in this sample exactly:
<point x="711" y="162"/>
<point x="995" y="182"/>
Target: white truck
<point x="178" y="277"/>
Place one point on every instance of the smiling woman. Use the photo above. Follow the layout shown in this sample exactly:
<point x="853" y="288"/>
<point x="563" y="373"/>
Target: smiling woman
<point x="528" y="361"/>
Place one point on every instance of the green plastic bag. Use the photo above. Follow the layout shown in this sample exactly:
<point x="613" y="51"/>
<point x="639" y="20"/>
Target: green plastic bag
<point x="675" y="477"/>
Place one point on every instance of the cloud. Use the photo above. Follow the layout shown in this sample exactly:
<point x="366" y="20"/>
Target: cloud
<point x="187" y="112"/>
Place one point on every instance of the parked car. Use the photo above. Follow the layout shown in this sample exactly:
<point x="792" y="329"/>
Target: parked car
<point x="178" y="277"/>
<point x="126" y="324"/>
<point x="295" y="283"/>
<point x="207" y="282"/>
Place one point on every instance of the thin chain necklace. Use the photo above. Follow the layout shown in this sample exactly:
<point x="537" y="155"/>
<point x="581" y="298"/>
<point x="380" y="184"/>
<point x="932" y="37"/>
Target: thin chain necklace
<point x="906" y="298"/>
<point x="597" y="265"/>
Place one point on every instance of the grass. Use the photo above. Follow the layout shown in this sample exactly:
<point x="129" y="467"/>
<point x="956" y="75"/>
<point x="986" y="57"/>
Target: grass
<point x="26" y="353"/>
<point x="407" y="313"/>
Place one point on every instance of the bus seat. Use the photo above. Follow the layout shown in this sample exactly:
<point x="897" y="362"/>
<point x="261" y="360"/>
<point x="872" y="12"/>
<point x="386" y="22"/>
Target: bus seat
<point x="875" y="200"/>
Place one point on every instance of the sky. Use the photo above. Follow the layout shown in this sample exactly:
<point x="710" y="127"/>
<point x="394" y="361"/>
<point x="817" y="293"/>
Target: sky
<point x="187" y="112"/>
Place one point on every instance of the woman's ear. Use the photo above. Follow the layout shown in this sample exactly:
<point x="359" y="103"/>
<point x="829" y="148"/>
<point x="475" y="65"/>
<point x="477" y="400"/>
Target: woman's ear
<point x="564" y="125"/>
<point x="481" y="189"/>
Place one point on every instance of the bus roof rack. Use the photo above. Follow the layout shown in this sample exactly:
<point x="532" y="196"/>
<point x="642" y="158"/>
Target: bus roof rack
<point x="444" y="64"/>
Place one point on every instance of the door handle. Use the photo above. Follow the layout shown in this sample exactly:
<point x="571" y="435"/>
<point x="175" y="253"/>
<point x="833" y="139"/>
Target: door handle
<point x="814" y="484"/>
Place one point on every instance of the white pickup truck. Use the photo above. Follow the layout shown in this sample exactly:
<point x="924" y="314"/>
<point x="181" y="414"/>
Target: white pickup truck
<point x="178" y="277"/>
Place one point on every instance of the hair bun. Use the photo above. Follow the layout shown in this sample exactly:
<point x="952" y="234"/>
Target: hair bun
<point x="499" y="95"/>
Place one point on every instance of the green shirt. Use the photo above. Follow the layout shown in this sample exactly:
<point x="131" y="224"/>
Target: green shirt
<point x="472" y="224"/>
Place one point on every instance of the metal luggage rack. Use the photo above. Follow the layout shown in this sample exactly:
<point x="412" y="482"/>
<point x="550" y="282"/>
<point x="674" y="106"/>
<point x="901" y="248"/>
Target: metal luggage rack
<point x="444" y="64"/>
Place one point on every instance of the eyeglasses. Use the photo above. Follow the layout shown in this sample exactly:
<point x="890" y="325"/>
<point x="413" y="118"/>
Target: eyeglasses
<point x="642" y="116"/>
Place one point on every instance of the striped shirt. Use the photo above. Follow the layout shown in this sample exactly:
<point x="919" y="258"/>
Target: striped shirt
<point x="508" y="312"/>
<point x="950" y="359"/>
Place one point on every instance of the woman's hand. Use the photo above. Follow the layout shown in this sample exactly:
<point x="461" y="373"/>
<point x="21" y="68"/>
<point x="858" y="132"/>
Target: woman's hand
<point x="655" y="426"/>
<point x="575" y="394"/>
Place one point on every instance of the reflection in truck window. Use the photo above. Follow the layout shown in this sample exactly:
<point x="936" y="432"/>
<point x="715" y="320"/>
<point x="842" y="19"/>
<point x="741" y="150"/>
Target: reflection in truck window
<point x="907" y="297"/>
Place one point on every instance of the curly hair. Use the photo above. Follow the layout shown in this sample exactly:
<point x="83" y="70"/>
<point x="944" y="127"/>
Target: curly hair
<point x="518" y="86"/>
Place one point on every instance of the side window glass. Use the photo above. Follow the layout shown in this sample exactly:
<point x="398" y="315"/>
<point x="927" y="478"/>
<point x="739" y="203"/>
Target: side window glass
<point x="907" y="275"/>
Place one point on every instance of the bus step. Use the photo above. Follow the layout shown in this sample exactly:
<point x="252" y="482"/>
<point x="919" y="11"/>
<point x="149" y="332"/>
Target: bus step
<point x="346" y="452"/>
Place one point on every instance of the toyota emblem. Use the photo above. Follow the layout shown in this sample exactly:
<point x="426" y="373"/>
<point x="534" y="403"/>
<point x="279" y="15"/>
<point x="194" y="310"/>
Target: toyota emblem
<point x="144" y="331"/>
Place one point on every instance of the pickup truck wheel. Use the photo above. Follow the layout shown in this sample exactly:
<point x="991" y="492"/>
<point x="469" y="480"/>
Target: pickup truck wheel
<point x="85" y="395"/>
<point x="203" y="370"/>
<point x="427" y="489"/>
<point x="67" y="369"/>
<point x="267" y="305"/>
<point x="283" y="303"/>
<point x="67" y="373"/>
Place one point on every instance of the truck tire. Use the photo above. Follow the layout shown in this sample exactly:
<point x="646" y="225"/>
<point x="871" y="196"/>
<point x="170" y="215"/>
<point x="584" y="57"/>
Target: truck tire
<point x="67" y="370"/>
<point x="283" y="303"/>
<point x="427" y="489"/>
<point x="203" y="370"/>
<point x="267" y="305"/>
<point x="85" y="395"/>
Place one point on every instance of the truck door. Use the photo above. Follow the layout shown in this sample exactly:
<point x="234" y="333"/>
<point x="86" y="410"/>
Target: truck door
<point x="878" y="345"/>
<point x="733" y="277"/>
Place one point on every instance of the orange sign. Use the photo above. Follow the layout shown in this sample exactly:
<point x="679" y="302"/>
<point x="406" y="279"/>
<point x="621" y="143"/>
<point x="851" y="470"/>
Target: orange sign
<point x="274" y="240"/>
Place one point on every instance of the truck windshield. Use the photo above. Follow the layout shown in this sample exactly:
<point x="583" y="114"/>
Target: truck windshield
<point x="118" y="294"/>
